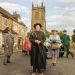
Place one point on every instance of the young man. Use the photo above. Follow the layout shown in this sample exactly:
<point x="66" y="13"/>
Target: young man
<point x="66" y="43"/>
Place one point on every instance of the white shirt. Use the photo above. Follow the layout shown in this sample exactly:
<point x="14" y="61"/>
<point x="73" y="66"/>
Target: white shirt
<point x="51" y="38"/>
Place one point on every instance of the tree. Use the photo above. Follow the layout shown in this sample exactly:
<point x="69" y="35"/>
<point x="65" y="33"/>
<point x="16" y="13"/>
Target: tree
<point x="47" y="33"/>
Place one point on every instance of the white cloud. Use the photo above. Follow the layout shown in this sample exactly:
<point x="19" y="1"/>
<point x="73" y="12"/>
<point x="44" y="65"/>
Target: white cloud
<point x="22" y="10"/>
<point x="12" y="7"/>
<point x="69" y="1"/>
<point x="7" y="0"/>
<point x="26" y="22"/>
<point x="59" y="12"/>
<point x="56" y="17"/>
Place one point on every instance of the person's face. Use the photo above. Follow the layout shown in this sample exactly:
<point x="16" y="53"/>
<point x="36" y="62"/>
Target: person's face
<point x="54" y="32"/>
<point x="65" y="32"/>
<point x="38" y="28"/>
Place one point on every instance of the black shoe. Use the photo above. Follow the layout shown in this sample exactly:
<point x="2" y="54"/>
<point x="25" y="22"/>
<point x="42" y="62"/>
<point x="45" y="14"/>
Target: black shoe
<point x="39" y="71"/>
<point x="34" y="71"/>
<point x="53" y="64"/>
<point x="8" y="62"/>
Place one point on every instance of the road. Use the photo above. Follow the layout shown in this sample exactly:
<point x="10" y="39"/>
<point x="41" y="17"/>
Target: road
<point x="20" y="65"/>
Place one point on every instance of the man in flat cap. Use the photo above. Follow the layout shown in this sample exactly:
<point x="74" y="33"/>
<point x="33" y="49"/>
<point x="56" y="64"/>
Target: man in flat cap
<point x="66" y="43"/>
<point x="8" y="42"/>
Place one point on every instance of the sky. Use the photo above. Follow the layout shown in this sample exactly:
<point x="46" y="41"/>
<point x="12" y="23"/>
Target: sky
<point x="60" y="14"/>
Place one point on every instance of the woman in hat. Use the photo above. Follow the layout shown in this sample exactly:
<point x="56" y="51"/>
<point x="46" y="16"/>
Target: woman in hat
<point x="38" y="54"/>
<point x="55" y="43"/>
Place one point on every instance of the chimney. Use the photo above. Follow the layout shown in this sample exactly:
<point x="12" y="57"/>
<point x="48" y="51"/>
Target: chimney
<point x="16" y="16"/>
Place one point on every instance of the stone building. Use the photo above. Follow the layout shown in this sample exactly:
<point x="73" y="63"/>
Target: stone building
<point x="38" y="16"/>
<point x="7" y="20"/>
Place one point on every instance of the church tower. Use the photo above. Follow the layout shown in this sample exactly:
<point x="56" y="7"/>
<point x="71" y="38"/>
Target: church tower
<point x="38" y="16"/>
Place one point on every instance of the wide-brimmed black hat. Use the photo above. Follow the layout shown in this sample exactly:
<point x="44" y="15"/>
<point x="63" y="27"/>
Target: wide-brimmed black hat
<point x="37" y="24"/>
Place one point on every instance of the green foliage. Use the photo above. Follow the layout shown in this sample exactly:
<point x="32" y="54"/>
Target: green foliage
<point x="47" y="34"/>
<point x="60" y="34"/>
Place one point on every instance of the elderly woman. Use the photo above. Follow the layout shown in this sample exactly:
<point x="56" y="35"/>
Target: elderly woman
<point x="38" y="54"/>
<point x="54" y="43"/>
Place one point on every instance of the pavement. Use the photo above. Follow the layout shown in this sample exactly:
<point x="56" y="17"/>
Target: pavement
<point x="20" y="65"/>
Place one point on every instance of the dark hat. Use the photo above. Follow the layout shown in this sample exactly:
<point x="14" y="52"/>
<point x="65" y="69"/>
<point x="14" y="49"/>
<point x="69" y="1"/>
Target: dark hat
<point x="37" y="24"/>
<point x="74" y="30"/>
<point x="64" y="31"/>
<point x="54" y="31"/>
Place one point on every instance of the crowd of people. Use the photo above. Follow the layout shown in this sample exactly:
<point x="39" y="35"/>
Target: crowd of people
<point x="37" y="45"/>
<point x="57" y="44"/>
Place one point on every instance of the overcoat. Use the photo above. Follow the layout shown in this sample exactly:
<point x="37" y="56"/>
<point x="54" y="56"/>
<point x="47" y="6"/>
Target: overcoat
<point x="65" y="39"/>
<point x="8" y="42"/>
<point x="38" y="54"/>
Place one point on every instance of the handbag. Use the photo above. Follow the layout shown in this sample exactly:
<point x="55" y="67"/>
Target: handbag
<point x="55" y="46"/>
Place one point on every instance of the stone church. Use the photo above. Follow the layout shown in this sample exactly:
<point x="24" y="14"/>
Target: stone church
<point x="38" y="16"/>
